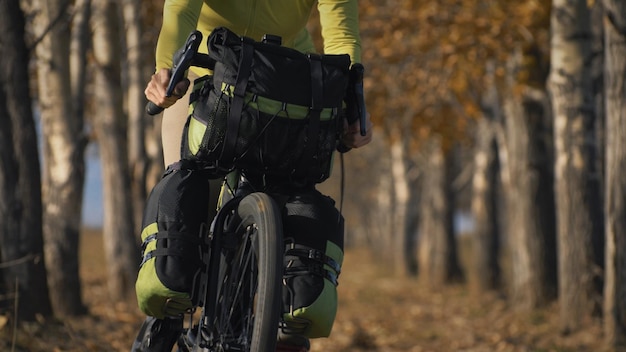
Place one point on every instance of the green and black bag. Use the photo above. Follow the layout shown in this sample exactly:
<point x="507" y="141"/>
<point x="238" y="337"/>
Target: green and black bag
<point x="312" y="264"/>
<point x="267" y="109"/>
<point x="173" y="238"/>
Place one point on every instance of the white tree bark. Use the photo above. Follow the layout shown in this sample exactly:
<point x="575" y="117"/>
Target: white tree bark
<point x="615" y="202"/>
<point x="138" y="122"/>
<point x="484" y="271"/>
<point x="438" y="258"/>
<point x="63" y="160"/>
<point x="577" y="191"/>
<point x="401" y="197"/>
<point x="119" y="234"/>
<point x="528" y="193"/>
<point x="383" y="220"/>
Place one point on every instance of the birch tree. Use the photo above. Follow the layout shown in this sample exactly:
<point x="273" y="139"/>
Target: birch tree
<point x="528" y="184"/>
<point x="63" y="156"/>
<point x="615" y="191"/>
<point x="579" y="218"/>
<point x="135" y="101"/>
<point x="21" y="238"/>
<point x="399" y="171"/>
<point x="438" y="258"/>
<point x="79" y="45"/>
<point x="122" y="254"/>
<point x="484" y="271"/>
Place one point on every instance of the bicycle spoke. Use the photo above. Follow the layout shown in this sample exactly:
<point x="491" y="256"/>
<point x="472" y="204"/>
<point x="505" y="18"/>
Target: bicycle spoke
<point x="248" y="304"/>
<point x="239" y="286"/>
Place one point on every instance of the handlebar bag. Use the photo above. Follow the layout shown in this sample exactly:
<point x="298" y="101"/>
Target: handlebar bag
<point x="267" y="109"/>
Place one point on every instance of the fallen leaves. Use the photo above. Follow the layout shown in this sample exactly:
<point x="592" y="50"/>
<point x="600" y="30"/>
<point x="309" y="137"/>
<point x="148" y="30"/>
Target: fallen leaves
<point x="377" y="312"/>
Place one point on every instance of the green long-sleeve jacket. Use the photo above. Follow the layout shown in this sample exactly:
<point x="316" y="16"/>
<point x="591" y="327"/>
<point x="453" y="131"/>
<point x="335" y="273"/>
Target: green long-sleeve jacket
<point x="254" y="18"/>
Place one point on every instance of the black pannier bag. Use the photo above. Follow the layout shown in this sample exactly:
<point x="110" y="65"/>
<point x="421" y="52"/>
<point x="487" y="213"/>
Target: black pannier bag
<point x="173" y="237"/>
<point x="314" y="241"/>
<point x="267" y="109"/>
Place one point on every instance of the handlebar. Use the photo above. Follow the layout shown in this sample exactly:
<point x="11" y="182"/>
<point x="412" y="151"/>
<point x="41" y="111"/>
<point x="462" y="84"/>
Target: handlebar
<point x="356" y="84"/>
<point x="355" y="102"/>
<point x="184" y="58"/>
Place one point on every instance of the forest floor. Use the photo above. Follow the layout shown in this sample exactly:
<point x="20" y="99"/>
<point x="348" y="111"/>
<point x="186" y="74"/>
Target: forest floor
<point x="378" y="312"/>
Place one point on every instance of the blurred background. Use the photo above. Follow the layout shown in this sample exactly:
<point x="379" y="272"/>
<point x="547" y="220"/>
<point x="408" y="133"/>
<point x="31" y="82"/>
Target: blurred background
<point x="489" y="207"/>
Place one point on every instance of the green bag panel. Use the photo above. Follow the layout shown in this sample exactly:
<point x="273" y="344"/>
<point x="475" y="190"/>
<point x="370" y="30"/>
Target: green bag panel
<point x="335" y="252"/>
<point x="153" y="296"/>
<point x="195" y="134"/>
<point x="317" y="319"/>
<point x="279" y="108"/>
<point x="148" y="231"/>
<point x="195" y="129"/>
<point x="314" y="298"/>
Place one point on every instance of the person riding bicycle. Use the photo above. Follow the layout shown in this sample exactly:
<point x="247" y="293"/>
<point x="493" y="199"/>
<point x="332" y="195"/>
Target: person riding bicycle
<point x="251" y="18"/>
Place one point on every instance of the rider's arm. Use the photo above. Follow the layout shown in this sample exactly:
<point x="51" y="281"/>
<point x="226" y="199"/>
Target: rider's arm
<point x="340" y="31"/>
<point x="180" y="17"/>
<point x="340" y="27"/>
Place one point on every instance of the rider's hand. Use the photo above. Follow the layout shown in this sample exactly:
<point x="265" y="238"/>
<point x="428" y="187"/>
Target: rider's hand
<point x="156" y="89"/>
<point x="352" y="138"/>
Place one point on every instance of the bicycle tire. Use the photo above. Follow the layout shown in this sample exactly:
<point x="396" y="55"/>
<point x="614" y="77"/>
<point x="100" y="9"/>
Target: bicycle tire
<point x="249" y="292"/>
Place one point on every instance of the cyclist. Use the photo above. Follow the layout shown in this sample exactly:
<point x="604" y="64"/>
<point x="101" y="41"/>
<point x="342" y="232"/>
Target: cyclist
<point x="251" y="18"/>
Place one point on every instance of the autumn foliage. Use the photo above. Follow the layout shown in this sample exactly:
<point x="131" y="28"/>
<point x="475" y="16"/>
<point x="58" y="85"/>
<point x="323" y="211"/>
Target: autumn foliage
<point x="427" y="59"/>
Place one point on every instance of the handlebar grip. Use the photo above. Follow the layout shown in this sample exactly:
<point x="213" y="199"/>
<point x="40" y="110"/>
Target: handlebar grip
<point x="153" y="109"/>
<point x="357" y="72"/>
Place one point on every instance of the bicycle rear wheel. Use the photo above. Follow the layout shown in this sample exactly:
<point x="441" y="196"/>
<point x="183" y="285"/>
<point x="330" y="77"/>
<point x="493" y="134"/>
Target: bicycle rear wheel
<point x="249" y="297"/>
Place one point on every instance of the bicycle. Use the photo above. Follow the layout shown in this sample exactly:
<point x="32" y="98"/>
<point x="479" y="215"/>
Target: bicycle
<point x="240" y="289"/>
<point x="245" y="268"/>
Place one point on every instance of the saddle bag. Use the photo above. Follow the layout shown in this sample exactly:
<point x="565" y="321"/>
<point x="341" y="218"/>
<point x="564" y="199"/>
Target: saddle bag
<point x="173" y="237"/>
<point x="267" y="109"/>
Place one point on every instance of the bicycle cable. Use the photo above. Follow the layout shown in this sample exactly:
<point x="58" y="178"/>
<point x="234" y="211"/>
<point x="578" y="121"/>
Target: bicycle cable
<point x="341" y="185"/>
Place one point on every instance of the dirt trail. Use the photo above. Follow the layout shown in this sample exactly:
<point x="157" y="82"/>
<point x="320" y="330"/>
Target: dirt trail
<point x="377" y="313"/>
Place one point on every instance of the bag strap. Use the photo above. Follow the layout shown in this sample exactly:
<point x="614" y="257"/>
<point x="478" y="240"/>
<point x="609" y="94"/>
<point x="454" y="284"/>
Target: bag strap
<point x="238" y="102"/>
<point x="313" y="126"/>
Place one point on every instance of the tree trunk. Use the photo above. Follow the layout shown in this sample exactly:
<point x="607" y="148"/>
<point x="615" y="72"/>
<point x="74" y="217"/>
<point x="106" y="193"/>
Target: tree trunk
<point x="413" y="223"/>
<point x="21" y="234"/>
<point x="153" y="148"/>
<point x="63" y="151"/>
<point x="485" y="269"/>
<point x="78" y="55"/>
<point x="9" y="208"/>
<point x="529" y="193"/>
<point x="615" y="202"/>
<point x="430" y="227"/>
<point x="383" y="236"/>
<point x="597" y="79"/>
<point x="438" y="257"/>
<point x="137" y="119"/>
<point x="401" y="254"/>
<point x="120" y="245"/>
<point x="453" y="271"/>
<point x="576" y="180"/>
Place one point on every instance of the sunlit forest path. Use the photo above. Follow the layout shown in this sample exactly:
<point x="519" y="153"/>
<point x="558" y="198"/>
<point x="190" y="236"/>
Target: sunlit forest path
<point x="377" y="313"/>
